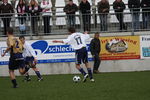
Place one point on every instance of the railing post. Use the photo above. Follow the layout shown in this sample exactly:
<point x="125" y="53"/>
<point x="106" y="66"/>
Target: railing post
<point x="40" y="25"/>
<point x="132" y="29"/>
<point x="31" y="32"/>
<point x="80" y="18"/>
<point x="13" y="19"/>
<point x="94" y="14"/>
<point x="53" y="14"/>
<point x="0" y="27"/>
<point x="66" y="14"/>
<point x="81" y="21"/>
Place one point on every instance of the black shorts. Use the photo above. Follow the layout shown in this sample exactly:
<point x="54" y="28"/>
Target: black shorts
<point x="29" y="60"/>
<point x="81" y="55"/>
<point x="16" y="61"/>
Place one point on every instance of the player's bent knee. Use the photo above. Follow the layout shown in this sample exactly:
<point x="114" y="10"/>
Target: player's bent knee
<point x="35" y="69"/>
<point x="11" y="71"/>
<point x="87" y="65"/>
<point x="78" y="66"/>
<point x="22" y="71"/>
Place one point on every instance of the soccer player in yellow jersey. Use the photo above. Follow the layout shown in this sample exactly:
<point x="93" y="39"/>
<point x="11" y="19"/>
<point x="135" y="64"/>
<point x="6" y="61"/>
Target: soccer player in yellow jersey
<point x="16" y="60"/>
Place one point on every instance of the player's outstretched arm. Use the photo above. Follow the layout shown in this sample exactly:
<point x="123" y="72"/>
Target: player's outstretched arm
<point x="57" y="41"/>
<point x="5" y="52"/>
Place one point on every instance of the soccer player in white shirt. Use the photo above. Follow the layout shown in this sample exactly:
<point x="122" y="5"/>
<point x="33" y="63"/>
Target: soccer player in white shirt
<point x="30" y="59"/>
<point x="77" y="41"/>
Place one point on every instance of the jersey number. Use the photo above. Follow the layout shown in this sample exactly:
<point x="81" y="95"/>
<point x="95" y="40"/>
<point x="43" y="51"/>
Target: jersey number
<point x="17" y="44"/>
<point x="78" y="40"/>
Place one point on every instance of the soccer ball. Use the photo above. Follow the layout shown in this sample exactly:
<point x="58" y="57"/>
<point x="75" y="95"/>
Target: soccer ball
<point x="76" y="79"/>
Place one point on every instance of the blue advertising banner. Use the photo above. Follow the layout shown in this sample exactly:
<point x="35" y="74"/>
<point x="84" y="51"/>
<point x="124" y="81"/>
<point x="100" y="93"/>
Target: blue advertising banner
<point x="47" y="52"/>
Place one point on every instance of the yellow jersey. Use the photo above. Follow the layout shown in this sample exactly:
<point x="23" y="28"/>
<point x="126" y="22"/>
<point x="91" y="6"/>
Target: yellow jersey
<point x="15" y="44"/>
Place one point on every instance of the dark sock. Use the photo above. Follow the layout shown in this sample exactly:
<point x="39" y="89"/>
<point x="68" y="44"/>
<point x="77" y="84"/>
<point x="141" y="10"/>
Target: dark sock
<point x="26" y="69"/>
<point x="38" y="74"/>
<point x="82" y="71"/>
<point x="14" y="82"/>
<point x="90" y="73"/>
<point x="27" y="76"/>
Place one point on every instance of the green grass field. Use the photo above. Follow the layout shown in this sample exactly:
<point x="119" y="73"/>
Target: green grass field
<point x="107" y="86"/>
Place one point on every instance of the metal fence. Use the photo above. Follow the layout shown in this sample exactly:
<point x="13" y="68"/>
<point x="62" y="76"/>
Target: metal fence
<point x="58" y="23"/>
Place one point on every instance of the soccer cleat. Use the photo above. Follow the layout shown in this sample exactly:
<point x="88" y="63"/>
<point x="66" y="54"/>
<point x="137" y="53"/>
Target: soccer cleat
<point x="96" y="72"/>
<point x="92" y="80"/>
<point x="27" y="79"/>
<point x="40" y="79"/>
<point x="15" y="86"/>
<point x="85" y="77"/>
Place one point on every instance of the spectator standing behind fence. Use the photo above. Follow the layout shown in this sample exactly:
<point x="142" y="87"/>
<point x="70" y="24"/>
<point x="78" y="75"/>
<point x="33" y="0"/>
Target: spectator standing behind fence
<point x="46" y="13"/>
<point x="70" y="10"/>
<point x="103" y="10"/>
<point x="145" y="5"/>
<point x="22" y="14"/>
<point x="85" y="8"/>
<point x="119" y="6"/>
<point x="95" y="48"/>
<point x="34" y="11"/>
<point x="6" y="10"/>
<point x="134" y="6"/>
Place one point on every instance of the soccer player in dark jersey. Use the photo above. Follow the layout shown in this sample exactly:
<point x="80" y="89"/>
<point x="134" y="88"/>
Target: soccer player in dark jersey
<point x="16" y="60"/>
